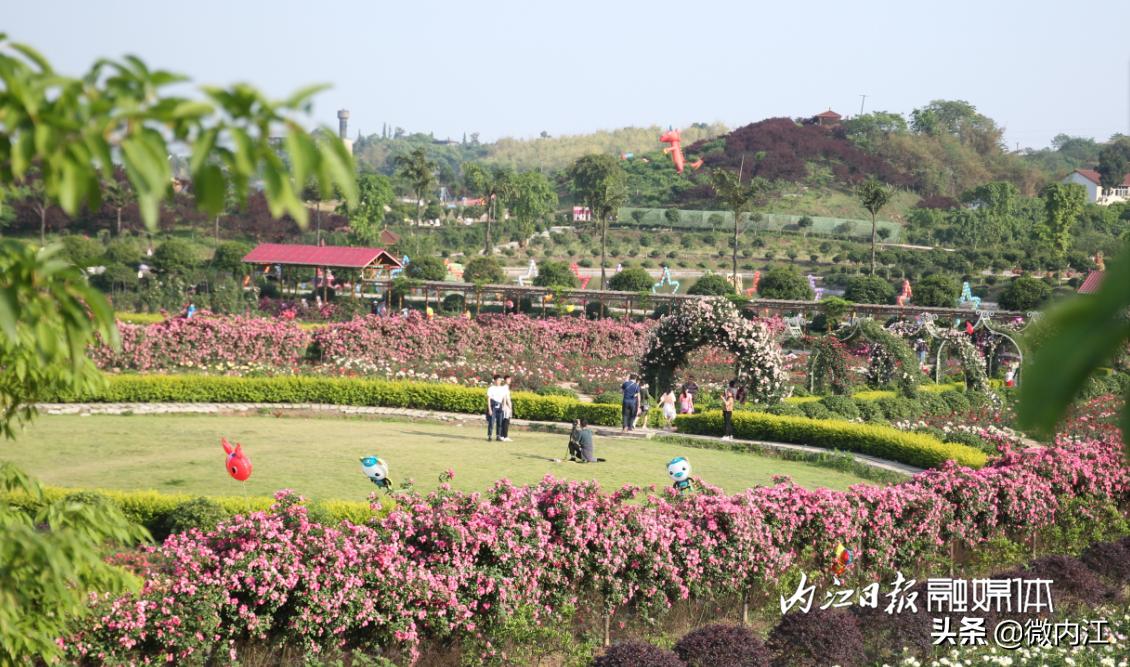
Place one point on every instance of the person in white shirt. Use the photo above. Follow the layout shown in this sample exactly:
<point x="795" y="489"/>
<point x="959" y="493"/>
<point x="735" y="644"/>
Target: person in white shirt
<point x="496" y="393"/>
<point x="507" y="411"/>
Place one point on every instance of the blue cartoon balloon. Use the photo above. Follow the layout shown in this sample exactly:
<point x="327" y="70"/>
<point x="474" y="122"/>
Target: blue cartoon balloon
<point x="377" y="472"/>
<point x="680" y="470"/>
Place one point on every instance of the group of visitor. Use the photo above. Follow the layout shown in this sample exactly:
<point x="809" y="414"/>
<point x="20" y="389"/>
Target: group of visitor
<point x="500" y="408"/>
<point x="633" y="404"/>
<point x="581" y="448"/>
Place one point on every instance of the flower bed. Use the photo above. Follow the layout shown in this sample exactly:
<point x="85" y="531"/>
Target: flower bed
<point x="455" y="566"/>
<point x="206" y="343"/>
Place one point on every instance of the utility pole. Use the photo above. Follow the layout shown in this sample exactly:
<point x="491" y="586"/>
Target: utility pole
<point x="862" y="99"/>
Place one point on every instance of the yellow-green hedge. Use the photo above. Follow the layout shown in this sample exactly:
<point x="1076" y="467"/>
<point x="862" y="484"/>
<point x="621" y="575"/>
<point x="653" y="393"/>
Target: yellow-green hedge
<point x="339" y="391"/>
<point x="914" y="449"/>
<point x="151" y="508"/>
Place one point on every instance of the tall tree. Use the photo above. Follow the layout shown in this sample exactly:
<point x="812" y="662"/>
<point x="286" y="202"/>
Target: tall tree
<point x="366" y="218"/>
<point x="1063" y="203"/>
<point x="495" y="185"/>
<point x="420" y="173"/>
<point x="117" y="194"/>
<point x="1114" y="164"/>
<point x="600" y="183"/>
<point x="873" y="196"/>
<point x="736" y="197"/>
<point x="531" y="196"/>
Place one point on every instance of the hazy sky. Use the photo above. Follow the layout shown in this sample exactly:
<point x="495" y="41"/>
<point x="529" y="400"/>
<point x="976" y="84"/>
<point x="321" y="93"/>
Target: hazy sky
<point x="505" y="68"/>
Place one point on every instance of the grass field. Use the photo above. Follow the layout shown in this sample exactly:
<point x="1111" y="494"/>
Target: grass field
<point x="318" y="457"/>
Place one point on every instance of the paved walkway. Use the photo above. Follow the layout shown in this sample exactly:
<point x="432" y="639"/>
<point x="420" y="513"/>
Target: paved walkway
<point x="430" y="415"/>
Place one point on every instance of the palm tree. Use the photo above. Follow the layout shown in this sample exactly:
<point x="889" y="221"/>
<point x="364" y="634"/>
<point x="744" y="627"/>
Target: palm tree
<point x="601" y="184"/>
<point x="873" y="195"/>
<point x="419" y="171"/>
<point x="493" y="184"/>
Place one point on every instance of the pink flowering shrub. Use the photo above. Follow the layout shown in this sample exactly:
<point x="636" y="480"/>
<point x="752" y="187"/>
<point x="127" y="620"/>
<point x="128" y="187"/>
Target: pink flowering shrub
<point x="206" y="343"/>
<point x="450" y="565"/>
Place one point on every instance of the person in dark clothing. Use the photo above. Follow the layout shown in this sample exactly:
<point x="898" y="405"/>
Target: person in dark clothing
<point x="575" y="453"/>
<point x="630" y="403"/>
<point x="584" y="440"/>
<point x="728" y="415"/>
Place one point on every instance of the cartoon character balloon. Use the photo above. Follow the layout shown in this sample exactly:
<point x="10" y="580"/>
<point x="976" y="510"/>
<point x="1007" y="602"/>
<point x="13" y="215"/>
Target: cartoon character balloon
<point x="841" y="561"/>
<point x="377" y="472"/>
<point x="238" y="465"/>
<point x="675" y="150"/>
<point x="680" y="470"/>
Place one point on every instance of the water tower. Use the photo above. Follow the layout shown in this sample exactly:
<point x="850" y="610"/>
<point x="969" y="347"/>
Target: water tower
<point x="343" y="123"/>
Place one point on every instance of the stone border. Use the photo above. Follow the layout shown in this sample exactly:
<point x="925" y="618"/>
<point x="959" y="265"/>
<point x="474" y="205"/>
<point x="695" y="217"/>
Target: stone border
<point x="430" y="415"/>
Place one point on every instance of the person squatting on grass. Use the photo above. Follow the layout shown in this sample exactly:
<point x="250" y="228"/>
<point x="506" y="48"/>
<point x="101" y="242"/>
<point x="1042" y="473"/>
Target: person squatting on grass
<point x="630" y="403"/>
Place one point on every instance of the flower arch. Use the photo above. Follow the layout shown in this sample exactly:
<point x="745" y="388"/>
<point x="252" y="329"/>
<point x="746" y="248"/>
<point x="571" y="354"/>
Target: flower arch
<point x="716" y="322"/>
<point x="891" y="360"/>
<point x="827" y="365"/>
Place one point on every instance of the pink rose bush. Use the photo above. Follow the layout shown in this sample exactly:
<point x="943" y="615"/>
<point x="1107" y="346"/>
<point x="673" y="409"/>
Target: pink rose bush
<point x="453" y="566"/>
<point x="206" y="343"/>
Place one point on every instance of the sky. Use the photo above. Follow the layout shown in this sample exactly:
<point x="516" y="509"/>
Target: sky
<point x="503" y="68"/>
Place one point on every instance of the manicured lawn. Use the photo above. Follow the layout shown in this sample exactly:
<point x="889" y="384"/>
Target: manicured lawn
<point x="318" y="457"/>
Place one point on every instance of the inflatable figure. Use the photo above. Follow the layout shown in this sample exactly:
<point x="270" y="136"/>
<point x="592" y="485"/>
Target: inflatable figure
<point x="626" y="156"/>
<point x="377" y="472"/>
<point x="680" y="470"/>
<point x="675" y="150"/>
<point x="404" y="262"/>
<point x="904" y="297"/>
<point x="237" y="463"/>
<point x="666" y="280"/>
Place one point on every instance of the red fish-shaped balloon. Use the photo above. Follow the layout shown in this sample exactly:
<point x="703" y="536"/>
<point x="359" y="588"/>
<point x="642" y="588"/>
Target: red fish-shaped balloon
<point x="238" y="465"/>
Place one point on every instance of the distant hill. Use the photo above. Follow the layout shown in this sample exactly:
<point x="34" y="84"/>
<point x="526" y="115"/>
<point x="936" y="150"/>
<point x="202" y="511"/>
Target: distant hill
<point x="377" y="153"/>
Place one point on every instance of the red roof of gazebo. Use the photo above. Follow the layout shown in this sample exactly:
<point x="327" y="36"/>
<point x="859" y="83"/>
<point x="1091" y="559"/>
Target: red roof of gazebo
<point x="1091" y="284"/>
<point x="340" y="257"/>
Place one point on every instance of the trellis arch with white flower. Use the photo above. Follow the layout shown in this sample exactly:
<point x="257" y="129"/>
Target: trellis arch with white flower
<point x="717" y="323"/>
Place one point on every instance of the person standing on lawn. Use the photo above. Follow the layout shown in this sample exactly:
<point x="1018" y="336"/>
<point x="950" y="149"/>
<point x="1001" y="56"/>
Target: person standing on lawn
<point x="495" y="394"/>
<point x="507" y="411"/>
<point x="630" y="403"/>
<point x="641" y="414"/>
<point x="667" y="404"/>
<point x="728" y="414"/>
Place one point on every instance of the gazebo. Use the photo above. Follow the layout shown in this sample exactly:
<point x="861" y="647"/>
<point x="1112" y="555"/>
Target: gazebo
<point x="371" y="264"/>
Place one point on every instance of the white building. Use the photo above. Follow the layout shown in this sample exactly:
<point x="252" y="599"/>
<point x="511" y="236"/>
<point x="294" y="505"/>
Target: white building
<point x="1089" y="179"/>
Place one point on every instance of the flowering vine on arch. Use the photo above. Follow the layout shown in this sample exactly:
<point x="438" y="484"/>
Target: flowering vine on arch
<point x="716" y="322"/>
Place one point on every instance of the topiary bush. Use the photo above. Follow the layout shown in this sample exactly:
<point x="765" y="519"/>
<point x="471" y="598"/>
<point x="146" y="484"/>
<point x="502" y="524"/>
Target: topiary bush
<point x="815" y="410"/>
<point x="1025" y="293"/>
<point x="818" y="638"/>
<point x="555" y="274"/>
<point x="784" y="283"/>
<point x="1071" y="580"/>
<point x="636" y="654"/>
<point x="841" y="406"/>
<point x="869" y="289"/>
<point x="453" y="304"/>
<point x="631" y="280"/>
<point x="199" y="513"/>
<point x="721" y="645"/>
<point x="426" y="268"/>
<point x="886" y="635"/>
<point x="712" y="284"/>
<point x="1110" y="560"/>
<point x="785" y="410"/>
<point x="898" y="408"/>
<point x="956" y="401"/>
<point x="484" y="270"/>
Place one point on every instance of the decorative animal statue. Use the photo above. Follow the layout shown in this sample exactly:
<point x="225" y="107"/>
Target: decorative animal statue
<point x="679" y="469"/>
<point x="377" y="472"/>
<point x="967" y="297"/>
<point x="236" y="462"/>
<point x="666" y="280"/>
<point x="904" y="297"/>
<point x="675" y="150"/>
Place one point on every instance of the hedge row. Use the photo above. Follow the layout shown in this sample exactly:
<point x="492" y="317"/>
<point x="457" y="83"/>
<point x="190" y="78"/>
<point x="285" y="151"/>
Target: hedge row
<point x="881" y="406"/>
<point x="914" y="449"/>
<point x="159" y="511"/>
<point x="338" y="391"/>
